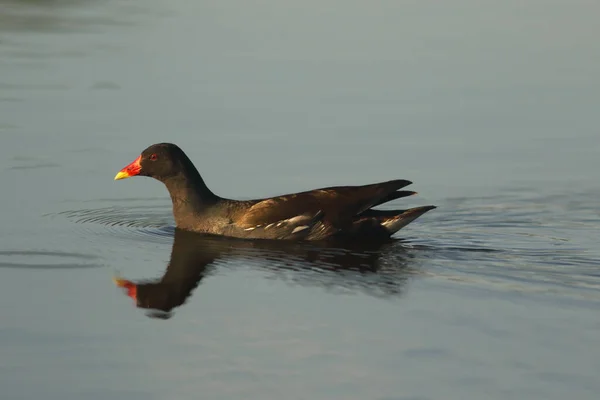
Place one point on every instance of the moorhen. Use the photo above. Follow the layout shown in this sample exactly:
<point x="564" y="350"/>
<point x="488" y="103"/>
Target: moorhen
<point x="332" y="212"/>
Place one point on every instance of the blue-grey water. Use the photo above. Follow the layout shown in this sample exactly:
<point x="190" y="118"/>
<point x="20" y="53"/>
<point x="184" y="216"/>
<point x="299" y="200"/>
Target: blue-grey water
<point x="490" y="108"/>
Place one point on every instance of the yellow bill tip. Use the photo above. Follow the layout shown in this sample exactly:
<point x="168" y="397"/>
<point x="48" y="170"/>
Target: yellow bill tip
<point x="121" y="175"/>
<point x="120" y="282"/>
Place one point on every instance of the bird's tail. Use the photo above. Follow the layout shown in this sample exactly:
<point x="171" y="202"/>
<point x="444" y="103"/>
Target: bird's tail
<point x="394" y="220"/>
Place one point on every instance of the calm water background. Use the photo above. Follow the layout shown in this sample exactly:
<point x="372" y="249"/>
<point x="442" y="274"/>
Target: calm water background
<point x="491" y="108"/>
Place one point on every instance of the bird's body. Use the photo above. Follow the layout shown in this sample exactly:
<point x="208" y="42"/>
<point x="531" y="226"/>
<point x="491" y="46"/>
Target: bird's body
<point x="319" y="214"/>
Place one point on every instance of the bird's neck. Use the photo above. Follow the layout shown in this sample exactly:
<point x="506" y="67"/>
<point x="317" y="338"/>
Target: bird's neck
<point x="189" y="194"/>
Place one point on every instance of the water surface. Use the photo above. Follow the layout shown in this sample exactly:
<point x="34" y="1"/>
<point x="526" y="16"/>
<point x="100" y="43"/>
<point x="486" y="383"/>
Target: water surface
<point x="490" y="109"/>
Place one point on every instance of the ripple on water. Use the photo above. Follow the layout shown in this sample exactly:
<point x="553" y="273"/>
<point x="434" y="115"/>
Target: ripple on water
<point x="60" y="260"/>
<point x="139" y="222"/>
<point x="529" y="243"/>
<point x="534" y="246"/>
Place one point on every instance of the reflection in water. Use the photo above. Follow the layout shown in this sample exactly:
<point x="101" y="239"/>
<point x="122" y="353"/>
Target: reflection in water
<point x="377" y="269"/>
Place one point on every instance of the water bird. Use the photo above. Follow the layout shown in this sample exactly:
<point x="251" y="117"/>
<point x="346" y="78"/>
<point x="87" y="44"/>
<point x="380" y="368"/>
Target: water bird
<point x="337" y="212"/>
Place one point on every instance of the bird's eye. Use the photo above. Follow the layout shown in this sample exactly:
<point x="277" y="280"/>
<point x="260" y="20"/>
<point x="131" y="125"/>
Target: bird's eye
<point x="153" y="157"/>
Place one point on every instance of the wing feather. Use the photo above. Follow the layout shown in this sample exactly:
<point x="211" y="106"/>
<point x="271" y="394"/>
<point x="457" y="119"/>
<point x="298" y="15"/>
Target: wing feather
<point x="339" y="204"/>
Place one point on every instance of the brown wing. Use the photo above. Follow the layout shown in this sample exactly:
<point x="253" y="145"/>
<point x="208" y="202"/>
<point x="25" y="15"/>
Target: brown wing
<point x="339" y="204"/>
